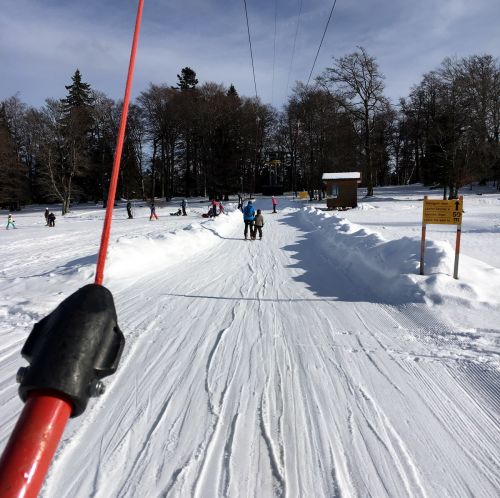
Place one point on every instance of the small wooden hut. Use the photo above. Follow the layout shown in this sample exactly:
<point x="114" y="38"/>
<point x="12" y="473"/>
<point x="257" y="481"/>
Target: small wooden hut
<point x="341" y="189"/>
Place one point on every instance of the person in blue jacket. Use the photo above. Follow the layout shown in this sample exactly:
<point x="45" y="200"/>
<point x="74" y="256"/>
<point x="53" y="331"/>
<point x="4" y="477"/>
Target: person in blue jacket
<point x="249" y="218"/>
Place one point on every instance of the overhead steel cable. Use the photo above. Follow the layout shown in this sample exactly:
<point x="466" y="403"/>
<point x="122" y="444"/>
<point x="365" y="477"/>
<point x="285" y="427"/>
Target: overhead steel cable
<point x="321" y="42"/>
<point x="251" y="51"/>
<point x="294" y="43"/>
<point x="274" y="46"/>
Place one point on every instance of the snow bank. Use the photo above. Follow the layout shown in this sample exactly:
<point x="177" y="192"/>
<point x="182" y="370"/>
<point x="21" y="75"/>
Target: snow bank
<point x="136" y="255"/>
<point x="391" y="268"/>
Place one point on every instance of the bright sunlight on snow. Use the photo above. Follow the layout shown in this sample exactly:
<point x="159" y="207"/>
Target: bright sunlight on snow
<point x="314" y="363"/>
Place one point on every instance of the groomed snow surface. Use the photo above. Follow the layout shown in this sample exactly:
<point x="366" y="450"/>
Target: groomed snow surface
<point x="314" y="363"/>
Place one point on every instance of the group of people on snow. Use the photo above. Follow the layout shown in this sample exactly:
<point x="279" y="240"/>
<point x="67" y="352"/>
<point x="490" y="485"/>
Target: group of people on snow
<point x="254" y="221"/>
<point x="180" y="212"/>
<point x="50" y="218"/>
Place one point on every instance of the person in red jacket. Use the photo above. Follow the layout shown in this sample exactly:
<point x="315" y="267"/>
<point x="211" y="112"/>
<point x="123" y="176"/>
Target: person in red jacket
<point x="275" y="202"/>
<point x="214" y="207"/>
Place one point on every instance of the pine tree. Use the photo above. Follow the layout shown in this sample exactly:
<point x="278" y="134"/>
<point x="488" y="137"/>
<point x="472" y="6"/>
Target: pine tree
<point x="79" y="93"/>
<point x="13" y="190"/>
<point x="232" y="91"/>
<point x="187" y="79"/>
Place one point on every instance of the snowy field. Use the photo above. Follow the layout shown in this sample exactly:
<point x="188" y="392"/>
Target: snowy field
<point x="314" y="363"/>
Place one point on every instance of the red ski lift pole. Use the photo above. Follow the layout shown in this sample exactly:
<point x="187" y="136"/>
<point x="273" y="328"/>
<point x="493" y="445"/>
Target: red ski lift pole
<point x="99" y="277"/>
<point x="32" y="445"/>
<point x="69" y="351"/>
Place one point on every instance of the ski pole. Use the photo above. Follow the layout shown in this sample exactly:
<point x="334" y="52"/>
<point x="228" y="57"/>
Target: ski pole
<point x="69" y="352"/>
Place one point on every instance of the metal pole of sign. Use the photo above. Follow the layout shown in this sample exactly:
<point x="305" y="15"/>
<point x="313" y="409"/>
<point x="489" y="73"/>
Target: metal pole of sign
<point x="422" y="242"/>
<point x="457" y="245"/>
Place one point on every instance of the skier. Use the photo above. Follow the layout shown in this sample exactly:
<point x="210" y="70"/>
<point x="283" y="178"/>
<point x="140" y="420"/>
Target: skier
<point x="259" y="223"/>
<point x="46" y="214"/>
<point x="214" y="207"/>
<point x="183" y="206"/>
<point x="52" y="220"/>
<point x="153" y="212"/>
<point x="275" y="202"/>
<point x="129" y="210"/>
<point x="240" y="202"/>
<point x="221" y="208"/>
<point x="248" y="218"/>
<point x="10" y="222"/>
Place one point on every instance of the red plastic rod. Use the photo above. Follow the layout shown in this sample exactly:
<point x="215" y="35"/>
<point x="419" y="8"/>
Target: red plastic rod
<point x="32" y="445"/>
<point x="101" y="260"/>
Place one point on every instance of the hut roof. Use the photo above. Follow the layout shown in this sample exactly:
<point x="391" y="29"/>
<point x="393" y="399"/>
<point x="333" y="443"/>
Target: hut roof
<point x="348" y="175"/>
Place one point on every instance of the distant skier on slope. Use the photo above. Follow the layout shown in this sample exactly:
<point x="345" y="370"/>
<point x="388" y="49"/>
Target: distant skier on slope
<point x="214" y="207"/>
<point x="248" y="218"/>
<point x="129" y="210"/>
<point x="153" y="212"/>
<point x="46" y="214"/>
<point x="52" y="220"/>
<point x="10" y="222"/>
<point x="275" y="202"/>
<point x="183" y="206"/>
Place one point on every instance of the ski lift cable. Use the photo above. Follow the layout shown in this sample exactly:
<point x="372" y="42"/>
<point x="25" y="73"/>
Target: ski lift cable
<point x="251" y="51"/>
<point x="321" y="42"/>
<point x="294" y="44"/>
<point x="274" y="48"/>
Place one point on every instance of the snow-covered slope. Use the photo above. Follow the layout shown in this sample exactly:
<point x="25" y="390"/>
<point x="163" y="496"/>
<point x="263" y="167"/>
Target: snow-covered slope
<point x="316" y="362"/>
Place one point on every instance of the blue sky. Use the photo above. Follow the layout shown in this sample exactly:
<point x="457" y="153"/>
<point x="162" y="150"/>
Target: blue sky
<point x="42" y="42"/>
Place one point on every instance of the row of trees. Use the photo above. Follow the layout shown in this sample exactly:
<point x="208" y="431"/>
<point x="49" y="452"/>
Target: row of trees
<point x="207" y="140"/>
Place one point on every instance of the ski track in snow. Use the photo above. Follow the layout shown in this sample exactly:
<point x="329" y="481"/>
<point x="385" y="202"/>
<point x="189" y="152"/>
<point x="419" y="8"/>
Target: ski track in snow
<point x="240" y="378"/>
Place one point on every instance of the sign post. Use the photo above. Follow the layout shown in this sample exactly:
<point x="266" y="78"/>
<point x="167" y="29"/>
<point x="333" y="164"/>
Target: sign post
<point x="439" y="212"/>
<point x="422" y="242"/>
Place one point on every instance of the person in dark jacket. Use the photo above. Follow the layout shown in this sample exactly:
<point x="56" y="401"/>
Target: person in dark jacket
<point x="183" y="206"/>
<point x="52" y="220"/>
<point x="248" y="218"/>
<point x="46" y="214"/>
<point x="129" y="210"/>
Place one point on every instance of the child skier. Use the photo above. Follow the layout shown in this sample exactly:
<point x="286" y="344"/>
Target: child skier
<point x="153" y="212"/>
<point x="46" y="214"/>
<point x="10" y="222"/>
<point x="129" y="210"/>
<point x="258" y="224"/>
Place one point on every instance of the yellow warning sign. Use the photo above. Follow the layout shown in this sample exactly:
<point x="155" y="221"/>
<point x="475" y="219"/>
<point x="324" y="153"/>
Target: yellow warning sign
<point x="438" y="212"/>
